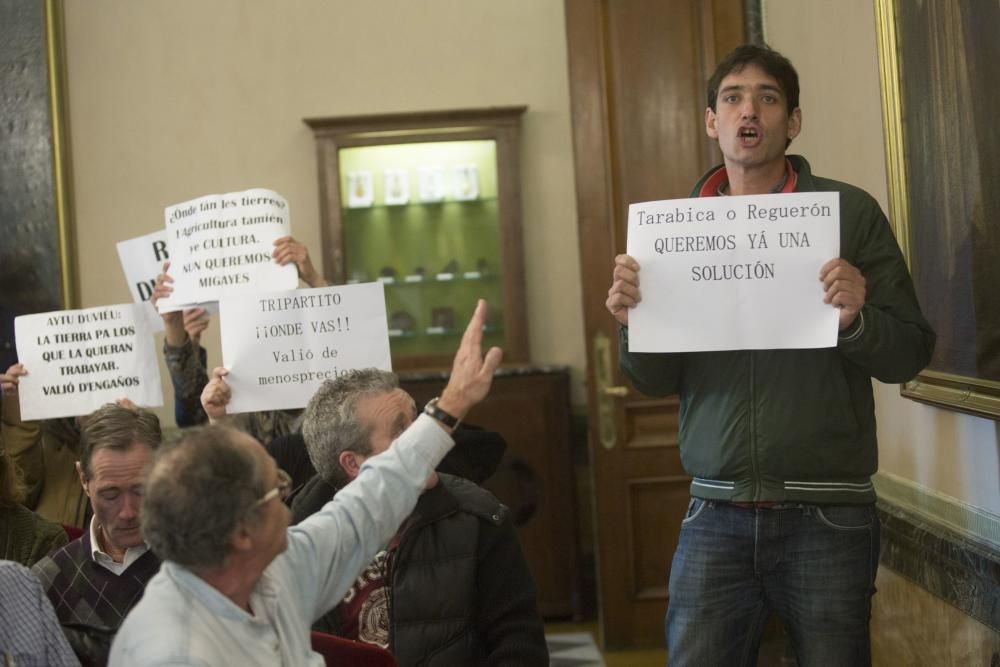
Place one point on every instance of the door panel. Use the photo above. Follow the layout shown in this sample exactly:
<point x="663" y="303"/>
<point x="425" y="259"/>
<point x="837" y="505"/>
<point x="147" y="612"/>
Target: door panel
<point x="637" y="77"/>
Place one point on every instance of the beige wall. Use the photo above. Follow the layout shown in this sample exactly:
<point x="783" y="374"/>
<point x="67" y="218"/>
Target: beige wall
<point x="172" y="99"/>
<point x="832" y="44"/>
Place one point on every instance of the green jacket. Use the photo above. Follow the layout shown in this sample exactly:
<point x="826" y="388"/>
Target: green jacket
<point x="798" y="425"/>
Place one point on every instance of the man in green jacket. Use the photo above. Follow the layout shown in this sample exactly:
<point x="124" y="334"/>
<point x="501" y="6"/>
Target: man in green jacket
<point x="781" y="443"/>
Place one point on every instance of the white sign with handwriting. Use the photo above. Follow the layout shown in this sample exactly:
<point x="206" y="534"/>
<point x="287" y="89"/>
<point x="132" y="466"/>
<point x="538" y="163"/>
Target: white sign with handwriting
<point x="733" y="273"/>
<point x="280" y="347"/>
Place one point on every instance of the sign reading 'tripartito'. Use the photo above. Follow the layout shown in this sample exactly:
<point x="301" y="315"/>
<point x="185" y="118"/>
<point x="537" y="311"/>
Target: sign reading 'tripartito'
<point x="78" y="360"/>
<point x="222" y="244"/>
<point x="733" y="273"/>
<point x="280" y="347"/>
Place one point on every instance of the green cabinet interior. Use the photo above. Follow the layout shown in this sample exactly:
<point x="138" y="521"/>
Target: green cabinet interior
<point x="434" y="258"/>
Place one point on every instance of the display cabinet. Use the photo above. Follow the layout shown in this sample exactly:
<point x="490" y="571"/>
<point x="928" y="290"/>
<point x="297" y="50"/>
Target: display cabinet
<point x="535" y="476"/>
<point x="429" y="205"/>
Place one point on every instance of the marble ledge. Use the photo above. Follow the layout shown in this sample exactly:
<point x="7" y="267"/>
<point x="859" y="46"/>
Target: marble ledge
<point x="956" y="568"/>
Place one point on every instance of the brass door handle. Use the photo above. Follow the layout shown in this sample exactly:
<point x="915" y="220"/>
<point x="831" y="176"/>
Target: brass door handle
<point x="607" y="407"/>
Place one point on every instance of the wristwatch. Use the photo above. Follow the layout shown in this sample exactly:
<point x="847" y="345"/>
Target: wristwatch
<point x="432" y="409"/>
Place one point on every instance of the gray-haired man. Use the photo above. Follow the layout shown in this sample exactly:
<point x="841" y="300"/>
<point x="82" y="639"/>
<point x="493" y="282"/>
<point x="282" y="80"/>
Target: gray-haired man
<point x="458" y="533"/>
<point x="237" y="585"/>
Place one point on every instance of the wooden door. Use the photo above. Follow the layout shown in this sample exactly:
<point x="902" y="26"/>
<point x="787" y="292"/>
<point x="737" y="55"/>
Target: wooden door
<point x="637" y="75"/>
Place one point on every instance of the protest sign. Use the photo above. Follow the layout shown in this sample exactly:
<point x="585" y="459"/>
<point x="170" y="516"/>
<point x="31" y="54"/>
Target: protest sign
<point x="222" y="244"/>
<point x="142" y="260"/>
<point x="78" y="360"/>
<point x="280" y="347"/>
<point x="733" y="273"/>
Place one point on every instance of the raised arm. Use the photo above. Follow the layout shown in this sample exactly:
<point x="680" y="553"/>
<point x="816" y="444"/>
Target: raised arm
<point x="329" y="548"/>
<point x="184" y="357"/>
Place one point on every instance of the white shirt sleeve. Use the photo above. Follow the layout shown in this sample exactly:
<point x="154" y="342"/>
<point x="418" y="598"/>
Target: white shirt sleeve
<point x="327" y="550"/>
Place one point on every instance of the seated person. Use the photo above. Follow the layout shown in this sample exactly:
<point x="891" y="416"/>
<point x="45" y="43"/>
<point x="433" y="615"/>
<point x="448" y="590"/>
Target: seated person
<point x="29" y="631"/>
<point x="459" y="533"/>
<point x="96" y="579"/>
<point x="237" y="585"/>
<point x="187" y="361"/>
<point x="25" y="537"/>
<point x="45" y="454"/>
<point x="475" y="456"/>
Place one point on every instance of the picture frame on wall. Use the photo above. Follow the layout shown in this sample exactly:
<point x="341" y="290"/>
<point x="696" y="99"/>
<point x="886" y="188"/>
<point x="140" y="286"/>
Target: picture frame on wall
<point x="360" y="189"/>
<point x="465" y="182"/>
<point x="431" y="186"/>
<point x="938" y="62"/>
<point x="396" y="186"/>
<point x="37" y="266"/>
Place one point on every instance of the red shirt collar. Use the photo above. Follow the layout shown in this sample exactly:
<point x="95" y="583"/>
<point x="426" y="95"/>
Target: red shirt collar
<point x="714" y="183"/>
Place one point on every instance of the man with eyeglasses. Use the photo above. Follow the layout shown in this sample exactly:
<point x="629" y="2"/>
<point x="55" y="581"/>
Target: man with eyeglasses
<point x="95" y="580"/>
<point x="238" y="586"/>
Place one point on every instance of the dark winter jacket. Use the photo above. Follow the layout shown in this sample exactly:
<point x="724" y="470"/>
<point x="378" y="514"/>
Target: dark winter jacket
<point x="461" y="592"/>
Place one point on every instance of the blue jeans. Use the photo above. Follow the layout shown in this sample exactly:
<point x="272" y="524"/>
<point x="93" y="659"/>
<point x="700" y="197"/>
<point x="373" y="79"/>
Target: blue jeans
<point x="812" y="565"/>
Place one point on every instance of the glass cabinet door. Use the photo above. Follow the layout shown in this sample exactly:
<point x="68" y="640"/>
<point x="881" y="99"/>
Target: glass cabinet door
<point x="429" y="205"/>
<point x="422" y="218"/>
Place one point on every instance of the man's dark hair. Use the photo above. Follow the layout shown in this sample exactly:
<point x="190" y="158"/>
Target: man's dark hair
<point x="114" y="426"/>
<point x="764" y="57"/>
<point x="202" y="488"/>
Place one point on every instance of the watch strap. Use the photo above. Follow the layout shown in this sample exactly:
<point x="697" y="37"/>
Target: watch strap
<point x="432" y="409"/>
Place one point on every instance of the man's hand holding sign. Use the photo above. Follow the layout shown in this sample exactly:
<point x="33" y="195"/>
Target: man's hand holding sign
<point x="844" y="289"/>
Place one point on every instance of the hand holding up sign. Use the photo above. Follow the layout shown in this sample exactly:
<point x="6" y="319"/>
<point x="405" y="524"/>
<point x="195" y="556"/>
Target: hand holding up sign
<point x="196" y="320"/>
<point x="216" y="394"/>
<point x="178" y="325"/>
<point x="287" y="249"/>
<point x="845" y="289"/>
<point x="10" y="379"/>
<point x="624" y="292"/>
<point x="173" y="321"/>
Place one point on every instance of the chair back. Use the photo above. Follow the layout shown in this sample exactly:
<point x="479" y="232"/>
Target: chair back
<point x="72" y="532"/>
<point x="339" y="652"/>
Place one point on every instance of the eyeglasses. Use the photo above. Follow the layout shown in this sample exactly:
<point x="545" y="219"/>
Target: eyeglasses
<point x="282" y="490"/>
